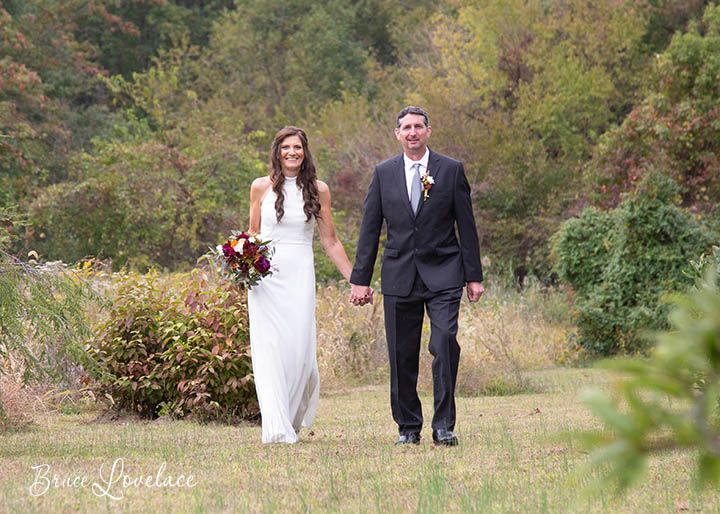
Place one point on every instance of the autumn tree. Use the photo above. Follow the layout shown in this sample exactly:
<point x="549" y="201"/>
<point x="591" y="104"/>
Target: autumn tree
<point x="34" y="96"/>
<point x="521" y="92"/>
<point x="675" y="128"/>
<point x="130" y="33"/>
<point x="172" y="180"/>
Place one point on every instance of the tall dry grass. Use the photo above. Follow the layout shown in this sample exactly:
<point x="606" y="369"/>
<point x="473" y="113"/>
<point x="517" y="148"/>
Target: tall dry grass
<point x="502" y="337"/>
<point x="15" y="400"/>
<point x="63" y="385"/>
<point x="351" y="347"/>
<point x="20" y="401"/>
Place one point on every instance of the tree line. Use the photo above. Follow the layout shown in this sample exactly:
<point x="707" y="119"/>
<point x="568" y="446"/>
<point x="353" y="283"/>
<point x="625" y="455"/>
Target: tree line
<point x="131" y="130"/>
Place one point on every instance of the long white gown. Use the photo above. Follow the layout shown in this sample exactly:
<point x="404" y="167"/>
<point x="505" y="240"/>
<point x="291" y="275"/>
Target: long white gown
<point x="281" y="309"/>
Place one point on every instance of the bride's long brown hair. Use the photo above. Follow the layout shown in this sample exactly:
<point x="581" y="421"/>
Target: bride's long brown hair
<point x="306" y="179"/>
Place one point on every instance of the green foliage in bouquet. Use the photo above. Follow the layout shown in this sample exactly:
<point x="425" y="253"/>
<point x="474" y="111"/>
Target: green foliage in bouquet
<point x="669" y="401"/>
<point x="622" y="261"/>
<point x="178" y="346"/>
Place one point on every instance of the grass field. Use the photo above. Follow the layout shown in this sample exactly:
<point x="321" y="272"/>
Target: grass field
<point x="507" y="461"/>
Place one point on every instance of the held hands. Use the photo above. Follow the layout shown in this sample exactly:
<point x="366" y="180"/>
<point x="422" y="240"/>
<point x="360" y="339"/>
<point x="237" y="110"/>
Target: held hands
<point x="474" y="291"/>
<point x="360" y="295"/>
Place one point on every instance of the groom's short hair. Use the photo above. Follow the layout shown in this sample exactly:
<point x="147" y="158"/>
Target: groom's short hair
<point x="411" y="109"/>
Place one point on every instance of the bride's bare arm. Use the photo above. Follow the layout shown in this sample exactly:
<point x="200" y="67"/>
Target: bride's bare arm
<point x="331" y="243"/>
<point x="258" y="190"/>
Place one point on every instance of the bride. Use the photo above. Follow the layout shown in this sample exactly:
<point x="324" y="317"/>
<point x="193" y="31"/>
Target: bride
<point x="283" y="208"/>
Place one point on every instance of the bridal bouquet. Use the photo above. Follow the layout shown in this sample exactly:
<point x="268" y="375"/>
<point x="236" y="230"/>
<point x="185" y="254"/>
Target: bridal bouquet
<point x="244" y="258"/>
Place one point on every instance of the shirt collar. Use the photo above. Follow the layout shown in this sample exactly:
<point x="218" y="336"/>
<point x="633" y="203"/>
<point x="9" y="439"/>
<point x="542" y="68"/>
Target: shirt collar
<point x="423" y="160"/>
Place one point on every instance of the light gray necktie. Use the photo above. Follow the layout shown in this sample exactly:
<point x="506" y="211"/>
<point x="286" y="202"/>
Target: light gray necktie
<point x="415" y="187"/>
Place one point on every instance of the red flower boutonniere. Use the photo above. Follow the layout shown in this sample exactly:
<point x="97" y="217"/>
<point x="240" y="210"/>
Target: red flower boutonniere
<point x="427" y="182"/>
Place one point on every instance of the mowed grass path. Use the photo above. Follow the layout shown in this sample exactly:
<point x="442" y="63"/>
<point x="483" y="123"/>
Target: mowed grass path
<point x="506" y="461"/>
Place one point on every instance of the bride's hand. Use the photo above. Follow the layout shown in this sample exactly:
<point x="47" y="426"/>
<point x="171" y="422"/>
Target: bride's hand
<point x="369" y="297"/>
<point x="360" y="295"/>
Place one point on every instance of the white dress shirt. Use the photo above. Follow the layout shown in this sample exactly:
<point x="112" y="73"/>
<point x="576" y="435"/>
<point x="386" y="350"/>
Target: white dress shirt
<point x="410" y="173"/>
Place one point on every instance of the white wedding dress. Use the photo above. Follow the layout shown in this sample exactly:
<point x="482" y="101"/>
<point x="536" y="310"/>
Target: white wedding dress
<point x="281" y="309"/>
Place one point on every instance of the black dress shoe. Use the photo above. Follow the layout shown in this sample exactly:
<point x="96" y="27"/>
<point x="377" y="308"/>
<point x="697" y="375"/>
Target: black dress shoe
<point x="411" y="438"/>
<point x="444" y="437"/>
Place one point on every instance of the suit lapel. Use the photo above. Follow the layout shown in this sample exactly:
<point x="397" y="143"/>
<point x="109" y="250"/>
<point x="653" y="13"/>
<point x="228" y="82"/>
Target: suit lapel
<point x="401" y="183"/>
<point x="432" y="169"/>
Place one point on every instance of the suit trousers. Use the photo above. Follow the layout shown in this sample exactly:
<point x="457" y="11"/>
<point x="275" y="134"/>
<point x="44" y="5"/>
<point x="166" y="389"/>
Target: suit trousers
<point x="403" y="328"/>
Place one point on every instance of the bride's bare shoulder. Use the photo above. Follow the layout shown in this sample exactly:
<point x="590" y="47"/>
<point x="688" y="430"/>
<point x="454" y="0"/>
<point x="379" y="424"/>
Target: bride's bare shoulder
<point x="322" y="187"/>
<point x="260" y="185"/>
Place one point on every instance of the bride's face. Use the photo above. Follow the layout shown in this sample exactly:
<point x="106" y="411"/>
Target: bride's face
<point x="291" y="155"/>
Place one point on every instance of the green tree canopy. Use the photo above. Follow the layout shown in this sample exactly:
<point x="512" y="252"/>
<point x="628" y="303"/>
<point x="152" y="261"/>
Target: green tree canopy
<point x="161" y="190"/>
<point x="523" y="103"/>
<point x="675" y="128"/>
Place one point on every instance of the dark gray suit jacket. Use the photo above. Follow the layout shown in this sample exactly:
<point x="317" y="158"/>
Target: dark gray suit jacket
<point x="425" y="241"/>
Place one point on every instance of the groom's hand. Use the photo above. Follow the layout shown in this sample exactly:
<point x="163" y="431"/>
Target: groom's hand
<point x="474" y="291"/>
<point x="360" y="295"/>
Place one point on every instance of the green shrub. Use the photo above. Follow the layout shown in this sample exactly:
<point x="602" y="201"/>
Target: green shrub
<point x="582" y="249"/>
<point x="177" y="345"/>
<point x="697" y="268"/>
<point x="623" y="261"/>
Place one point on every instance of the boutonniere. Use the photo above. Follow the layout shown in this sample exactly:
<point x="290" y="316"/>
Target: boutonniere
<point x="427" y="182"/>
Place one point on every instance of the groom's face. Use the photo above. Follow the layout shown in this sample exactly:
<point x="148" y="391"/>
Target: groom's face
<point x="413" y="134"/>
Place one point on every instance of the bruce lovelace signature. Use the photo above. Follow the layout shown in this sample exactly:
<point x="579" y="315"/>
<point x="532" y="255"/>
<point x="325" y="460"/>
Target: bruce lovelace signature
<point x="112" y="482"/>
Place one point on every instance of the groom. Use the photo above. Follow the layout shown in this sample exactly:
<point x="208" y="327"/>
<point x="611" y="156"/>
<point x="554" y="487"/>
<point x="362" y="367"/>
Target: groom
<point x="422" y="196"/>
